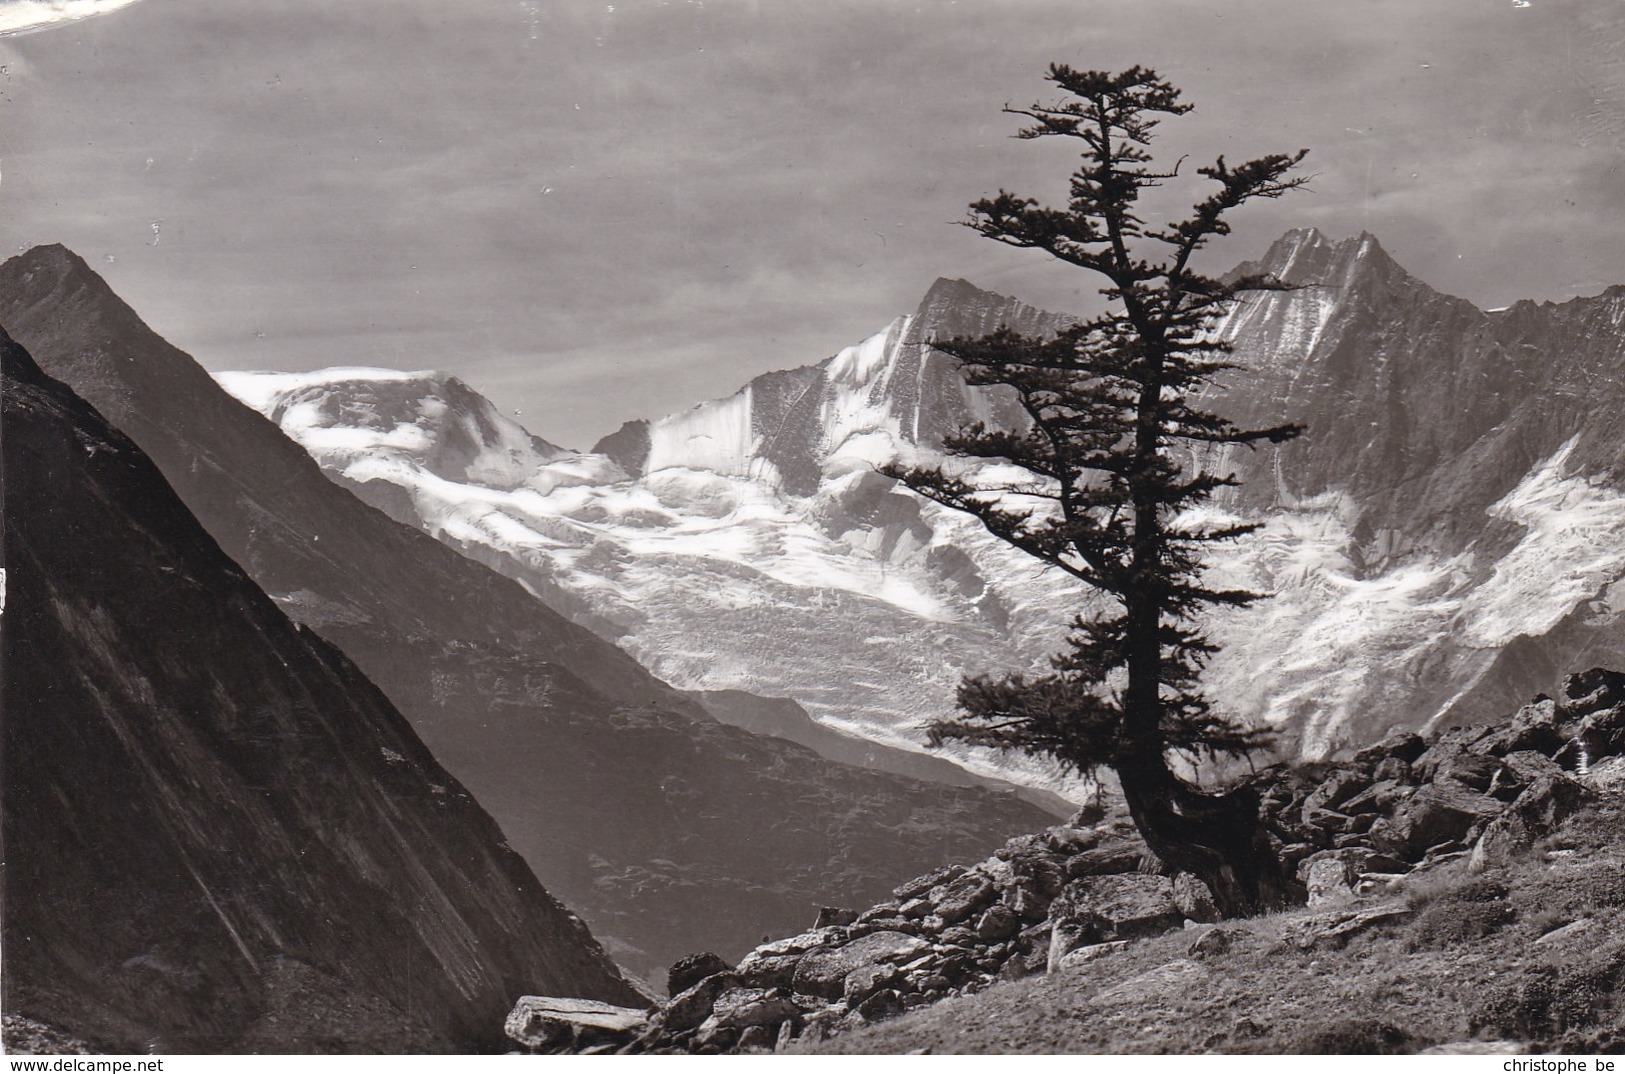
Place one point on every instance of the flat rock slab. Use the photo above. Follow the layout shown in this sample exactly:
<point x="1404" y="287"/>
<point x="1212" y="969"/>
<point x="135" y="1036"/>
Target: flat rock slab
<point x="1177" y="978"/>
<point x="537" y="1021"/>
<point x="1330" y="927"/>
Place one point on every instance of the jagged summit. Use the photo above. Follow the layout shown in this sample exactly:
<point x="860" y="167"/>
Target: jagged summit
<point x="1308" y="257"/>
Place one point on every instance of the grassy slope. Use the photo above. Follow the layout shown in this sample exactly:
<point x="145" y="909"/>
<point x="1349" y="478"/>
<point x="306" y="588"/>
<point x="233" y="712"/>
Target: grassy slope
<point x="1478" y="958"/>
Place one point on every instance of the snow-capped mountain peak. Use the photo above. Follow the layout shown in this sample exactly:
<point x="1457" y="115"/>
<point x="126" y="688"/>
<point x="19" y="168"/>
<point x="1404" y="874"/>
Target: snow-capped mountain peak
<point x="370" y="422"/>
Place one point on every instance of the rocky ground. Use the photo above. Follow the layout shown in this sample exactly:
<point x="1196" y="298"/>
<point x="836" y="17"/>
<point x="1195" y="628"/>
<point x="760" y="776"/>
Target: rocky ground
<point x="1462" y="892"/>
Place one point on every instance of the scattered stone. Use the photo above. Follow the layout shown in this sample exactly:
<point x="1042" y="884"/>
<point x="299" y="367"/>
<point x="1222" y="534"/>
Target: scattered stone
<point x="1076" y="893"/>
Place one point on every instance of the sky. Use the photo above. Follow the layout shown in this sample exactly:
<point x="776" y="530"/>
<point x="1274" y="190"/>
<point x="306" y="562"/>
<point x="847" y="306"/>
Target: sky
<point x="595" y="211"/>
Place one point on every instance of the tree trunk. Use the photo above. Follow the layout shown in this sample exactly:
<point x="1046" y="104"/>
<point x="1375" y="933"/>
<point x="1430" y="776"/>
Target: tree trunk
<point x="1219" y="837"/>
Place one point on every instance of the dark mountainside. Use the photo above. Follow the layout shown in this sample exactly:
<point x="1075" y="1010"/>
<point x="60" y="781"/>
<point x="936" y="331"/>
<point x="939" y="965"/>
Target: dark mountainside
<point x="219" y="835"/>
<point x="668" y="831"/>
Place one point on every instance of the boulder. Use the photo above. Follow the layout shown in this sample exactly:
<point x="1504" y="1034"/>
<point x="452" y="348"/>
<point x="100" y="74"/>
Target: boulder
<point x="1213" y="942"/>
<point x="865" y="981"/>
<point x="806" y="941"/>
<point x="1591" y="691"/>
<point x="692" y="969"/>
<point x="964" y="896"/>
<point x="1067" y="841"/>
<point x="1333" y="791"/>
<point x="1547" y="802"/>
<point x="823" y="972"/>
<point x="1519" y="769"/>
<point x="738" y="1008"/>
<point x="1602" y="733"/>
<point x="1087" y="953"/>
<point x="834" y="915"/>
<point x="1193" y="898"/>
<point x="768" y="971"/>
<point x="916" y="908"/>
<point x="886" y="1003"/>
<point x="1332" y="876"/>
<point x="549" y="1021"/>
<point x="880" y="911"/>
<point x="1379" y="797"/>
<point x="1028" y="902"/>
<point x="1534" y="727"/>
<point x="691" y="1007"/>
<point x="1468" y="769"/>
<point x="1335" y="927"/>
<point x="1101" y="861"/>
<point x="756" y="1038"/>
<point x="1606" y="777"/>
<point x="1113" y="907"/>
<point x="1404" y="746"/>
<point x="1435" y="814"/>
<point x="921" y="884"/>
<point x="1394" y="769"/>
<point x="997" y="922"/>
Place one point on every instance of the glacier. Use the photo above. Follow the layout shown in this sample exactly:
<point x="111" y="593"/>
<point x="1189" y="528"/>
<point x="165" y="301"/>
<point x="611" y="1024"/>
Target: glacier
<point x="1441" y="510"/>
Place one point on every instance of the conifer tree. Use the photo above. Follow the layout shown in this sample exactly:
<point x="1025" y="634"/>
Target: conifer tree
<point x="1110" y="452"/>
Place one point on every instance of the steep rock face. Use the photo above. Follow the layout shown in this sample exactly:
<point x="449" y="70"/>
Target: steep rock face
<point x="1442" y="538"/>
<point x="666" y="830"/>
<point x="219" y="835"/>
